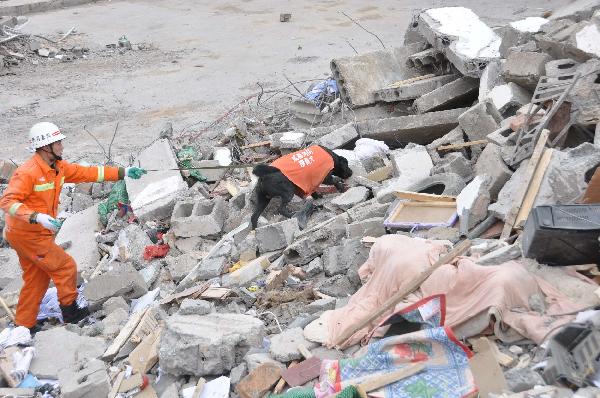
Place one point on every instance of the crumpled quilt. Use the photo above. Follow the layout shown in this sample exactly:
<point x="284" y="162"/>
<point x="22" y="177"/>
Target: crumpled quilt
<point x="501" y="293"/>
<point x="447" y="373"/>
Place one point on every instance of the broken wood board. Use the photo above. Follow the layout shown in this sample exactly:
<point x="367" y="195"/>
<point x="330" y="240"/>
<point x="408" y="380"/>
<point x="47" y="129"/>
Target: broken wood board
<point x="259" y="381"/>
<point x="303" y="372"/>
<point x="123" y="335"/>
<point x="534" y="188"/>
<point x="452" y="147"/>
<point x="414" y="284"/>
<point x="147" y="325"/>
<point x="592" y="192"/>
<point x="145" y="355"/>
<point x="522" y="190"/>
<point x="276" y="279"/>
<point x="116" y="385"/>
<point x="423" y="213"/>
<point x="281" y="383"/>
<point x="134" y="381"/>
<point x="198" y="289"/>
<point x="424" y="197"/>
<point x="487" y="373"/>
<point x="376" y="381"/>
<point x="6" y="366"/>
<point x="147" y="392"/>
<point x="199" y="387"/>
<point x="218" y="293"/>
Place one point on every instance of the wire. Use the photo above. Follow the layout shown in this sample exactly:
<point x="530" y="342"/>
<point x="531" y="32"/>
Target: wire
<point x="275" y="317"/>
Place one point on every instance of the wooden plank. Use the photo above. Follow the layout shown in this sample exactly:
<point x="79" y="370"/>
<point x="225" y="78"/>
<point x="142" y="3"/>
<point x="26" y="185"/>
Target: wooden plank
<point x="414" y="284"/>
<point x="534" y="188"/>
<point x="124" y="335"/>
<point x="147" y="325"/>
<point x="424" y="197"/>
<point x="145" y="355"/>
<point x="487" y="373"/>
<point x="198" y="289"/>
<point x="117" y="384"/>
<point x="199" y="387"/>
<point x="529" y="171"/>
<point x="281" y="383"/>
<point x="9" y="312"/>
<point x="375" y="383"/>
<point x="6" y="366"/>
<point x="461" y="145"/>
<point x="305" y="351"/>
<point x="216" y="293"/>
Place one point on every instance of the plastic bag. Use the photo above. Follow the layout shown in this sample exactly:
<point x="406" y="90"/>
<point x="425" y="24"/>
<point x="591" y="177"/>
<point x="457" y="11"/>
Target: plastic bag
<point x="117" y="194"/>
<point x="155" y="251"/>
<point x="186" y="157"/>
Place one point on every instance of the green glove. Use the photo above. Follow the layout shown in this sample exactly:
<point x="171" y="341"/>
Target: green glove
<point x="135" y="172"/>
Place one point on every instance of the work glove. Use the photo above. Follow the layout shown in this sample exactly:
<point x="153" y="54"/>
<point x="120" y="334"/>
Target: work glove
<point x="135" y="172"/>
<point x="48" y="222"/>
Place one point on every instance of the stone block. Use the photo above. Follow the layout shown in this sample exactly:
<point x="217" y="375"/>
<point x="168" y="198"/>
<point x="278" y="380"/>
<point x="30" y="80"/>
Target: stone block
<point x="80" y="229"/>
<point x="153" y="196"/>
<point x="336" y="286"/>
<point x="212" y="267"/>
<point x="420" y="129"/>
<point x="450" y="95"/>
<point x="131" y="248"/>
<point x="413" y="89"/>
<point x="284" y="346"/>
<point x="254" y="359"/>
<point x="366" y="210"/>
<point x="491" y="164"/>
<point x="470" y="45"/>
<point x="501" y="136"/>
<point x="111" y="325"/>
<point x="276" y="236"/>
<point x="340" y="137"/>
<point x="89" y="381"/>
<point x="324" y="304"/>
<point x="509" y="97"/>
<point x="490" y="78"/>
<point x="195" y="307"/>
<point x="123" y="281"/>
<point x="350" y="254"/>
<point x="525" y="68"/>
<point x="201" y="218"/>
<point x="472" y="203"/>
<point x="207" y="345"/>
<point x="480" y="120"/>
<point x="312" y="244"/>
<point x="73" y="349"/>
<point x="288" y="140"/>
<point x="358" y="77"/>
<point x="114" y="303"/>
<point x="456" y="163"/>
<point x="313" y="268"/>
<point x="369" y="227"/>
<point x="520" y="32"/>
<point x="351" y="198"/>
<point x="179" y="267"/>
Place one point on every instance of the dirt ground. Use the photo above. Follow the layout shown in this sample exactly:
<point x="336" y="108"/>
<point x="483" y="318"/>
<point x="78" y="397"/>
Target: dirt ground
<point x="198" y="59"/>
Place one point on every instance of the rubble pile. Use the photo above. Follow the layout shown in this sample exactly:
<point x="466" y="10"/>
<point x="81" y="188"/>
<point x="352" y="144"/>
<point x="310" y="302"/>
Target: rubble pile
<point x="461" y="256"/>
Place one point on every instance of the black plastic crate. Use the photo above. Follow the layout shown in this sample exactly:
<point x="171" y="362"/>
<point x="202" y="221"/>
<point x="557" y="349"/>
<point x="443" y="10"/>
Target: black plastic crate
<point x="563" y="234"/>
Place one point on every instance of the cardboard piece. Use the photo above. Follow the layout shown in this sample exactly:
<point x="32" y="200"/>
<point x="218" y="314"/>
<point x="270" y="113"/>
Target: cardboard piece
<point x="488" y="375"/>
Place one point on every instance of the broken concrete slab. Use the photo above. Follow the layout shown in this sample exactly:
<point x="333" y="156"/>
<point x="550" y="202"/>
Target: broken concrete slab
<point x="351" y="198"/>
<point x="314" y="268"/>
<point x="369" y="227"/>
<point x="466" y="41"/>
<point x="276" y="236"/>
<point x="202" y="218"/>
<point x="114" y="303"/>
<point x="210" y="268"/>
<point x="577" y="10"/>
<point x="247" y="273"/>
<point x="195" y="307"/>
<point x="419" y="129"/>
<point x="153" y="196"/>
<point x="525" y="68"/>
<point x="312" y="244"/>
<point x="472" y="203"/>
<point x="11" y="269"/>
<point x="366" y="210"/>
<point x="80" y="229"/>
<point x="131" y="248"/>
<point x="456" y="163"/>
<point x="114" y="321"/>
<point x="501" y="255"/>
<point x="207" y="345"/>
<point x="413" y="88"/>
<point x="336" y="286"/>
<point x="358" y="77"/>
<point x="211" y="173"/>
<point x="346" y="258"/>
<point x="450" y="95"/>
<point x="91" y="381"/>
<point x="73" y="349"/>
<point x="123" y="280"/>
<point x="491" y="164"/>
<point x="288" y="140"/>
<point x="520" y="32"/>
<point x="340" y="137"/>
<point x="321" y="305"/>
<point x="254" y="359"/>
<point x="284" y="346"/>
<point x="559" y="67"/>
<point x="508" y="98"/>
<point x="179" y="267"/>
<point x="490" y="78"/>
<point x="480" y="120"/>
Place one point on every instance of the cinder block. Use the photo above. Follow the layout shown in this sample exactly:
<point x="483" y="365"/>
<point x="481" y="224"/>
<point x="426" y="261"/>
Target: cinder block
<point x="201" y="218"/>
<point x="525" y="68"/>
<point x="448" y="96"/>
<point x="413" y="90"/>
<point x="276" y="236"/>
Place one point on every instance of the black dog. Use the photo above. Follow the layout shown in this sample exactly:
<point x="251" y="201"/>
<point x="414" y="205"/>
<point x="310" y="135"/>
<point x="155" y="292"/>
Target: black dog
<point x="273" y="183"/>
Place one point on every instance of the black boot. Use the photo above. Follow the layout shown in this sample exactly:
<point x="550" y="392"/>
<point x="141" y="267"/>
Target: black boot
<point x="33" y="330"/>
<point x="73" y="313"/>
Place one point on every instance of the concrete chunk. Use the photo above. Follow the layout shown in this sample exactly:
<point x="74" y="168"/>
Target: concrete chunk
<point x="490" y="163"/>
<point x="351" y="198"/>
<point x="508" y="98"/>
<point x="448" y="96"/>
<point x="370" y="227"/>
<point x="153" y="195"/>
<point x="360" y="76"/>
<point x="525" y="68"/>
<point x="413" y="89"/>
<point x="211" y="268"/>
<point x="284" y="346"/>
<point x="90" y="382"/>
<point x="420" y="129"/>
<point x="195" y="307"/>
<point x="456" y="163"/>
<point x="466" y="41"/>
<point x="288" y="140"/>
<point x="340" y="137"/>
<point x="276" y="236"/>
<point x="123" y="280"/>
<point x="207" y="345"/>
<point x="80" y="229"/>
<point x="211" y="174"/>
<point x="202" y="218"/>
<point x="180" y="266"/>
<point x="73" y="349"/>
<point x="307" y="247"/>
<point x="480" y="120"/>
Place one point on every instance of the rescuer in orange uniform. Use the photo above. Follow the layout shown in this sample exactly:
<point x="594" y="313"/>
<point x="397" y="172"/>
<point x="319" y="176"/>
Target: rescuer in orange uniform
<point x="31" y="203"/>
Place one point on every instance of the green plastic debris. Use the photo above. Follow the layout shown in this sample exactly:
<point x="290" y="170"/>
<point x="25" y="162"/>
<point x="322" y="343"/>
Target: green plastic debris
<point x="186" y="157"/>
<point x="117" y="194"/>
<point x="304" y="392"/>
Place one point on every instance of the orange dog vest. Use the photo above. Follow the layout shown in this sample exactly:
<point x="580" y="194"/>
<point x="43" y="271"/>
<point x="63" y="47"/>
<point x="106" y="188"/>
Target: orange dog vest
<point x="306" y="168"/>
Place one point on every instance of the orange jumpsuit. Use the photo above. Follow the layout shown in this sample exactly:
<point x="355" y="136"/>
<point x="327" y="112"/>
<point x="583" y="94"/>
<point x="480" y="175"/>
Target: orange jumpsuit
<point x="306" y="168"/>
<point x="35" y="187"/>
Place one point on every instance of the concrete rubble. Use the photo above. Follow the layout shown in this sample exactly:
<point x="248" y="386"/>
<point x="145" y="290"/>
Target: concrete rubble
<point x="427" y="128"/>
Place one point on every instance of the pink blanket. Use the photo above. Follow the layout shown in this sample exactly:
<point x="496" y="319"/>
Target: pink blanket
<point x="501" y="293"/>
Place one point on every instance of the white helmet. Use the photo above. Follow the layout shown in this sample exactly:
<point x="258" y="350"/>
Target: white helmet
<point x="44" y="133"/>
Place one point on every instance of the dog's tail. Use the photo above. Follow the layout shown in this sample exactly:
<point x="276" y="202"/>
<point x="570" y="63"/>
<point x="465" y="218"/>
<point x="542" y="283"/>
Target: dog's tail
<point x="263" y="170"/>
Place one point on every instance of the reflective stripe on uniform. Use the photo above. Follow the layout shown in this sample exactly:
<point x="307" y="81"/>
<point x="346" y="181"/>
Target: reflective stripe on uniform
<point x="13" y="209"/>
<point x="43" y="187"/>
<point x="100" y="174"/>
<point x="62" y="181"/>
